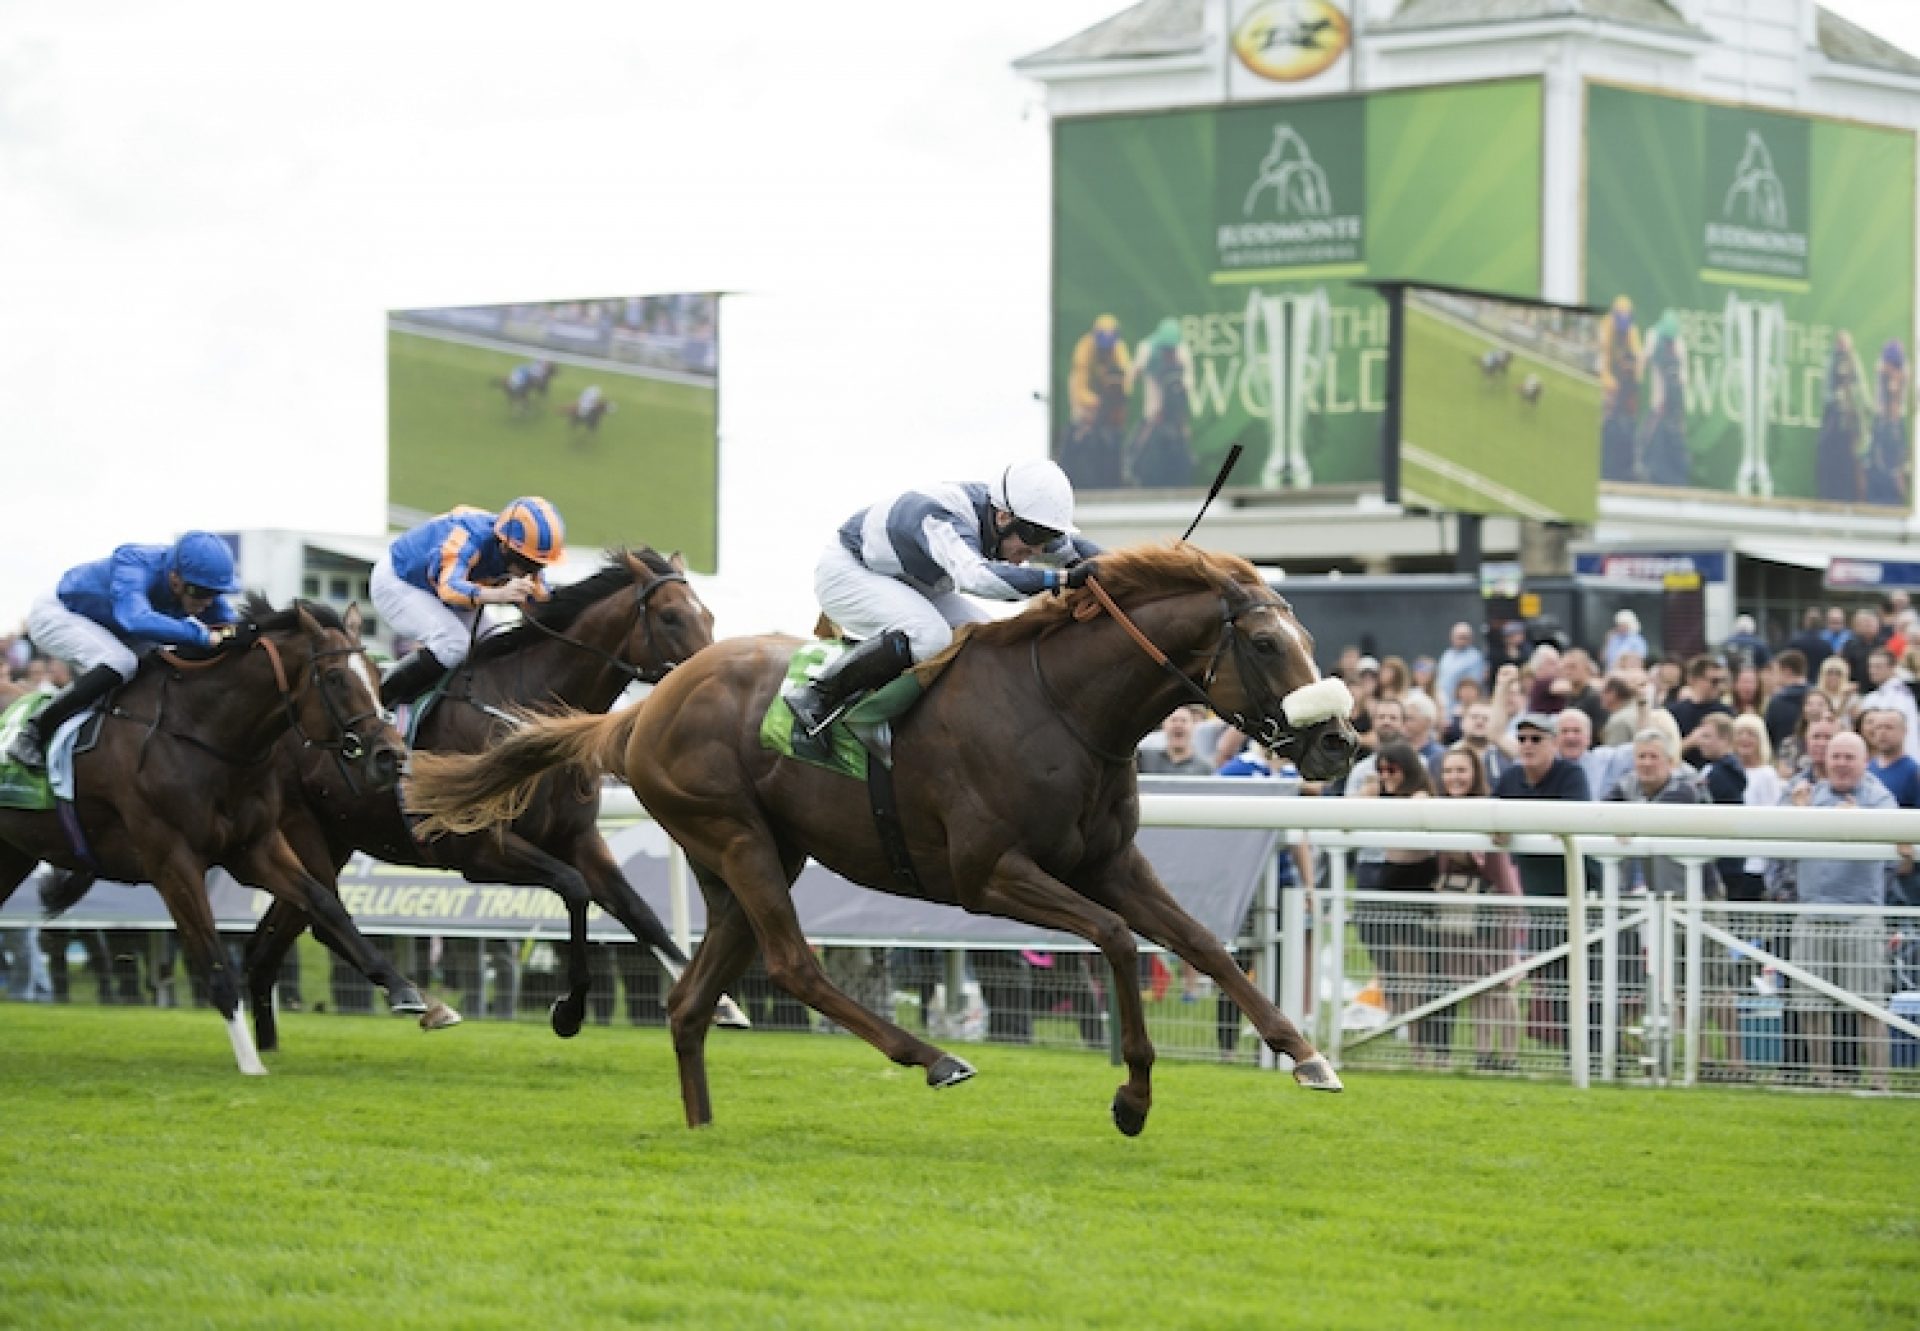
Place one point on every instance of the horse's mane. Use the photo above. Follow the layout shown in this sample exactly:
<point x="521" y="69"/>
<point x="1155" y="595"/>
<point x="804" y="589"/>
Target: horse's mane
<point x="571" y="601"/>
<point x="1132" y="572"/>
<point x="259" y="611"/>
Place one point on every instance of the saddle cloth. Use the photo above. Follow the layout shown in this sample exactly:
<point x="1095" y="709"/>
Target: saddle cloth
<point x="22" y="789"/>
<point x="864" y="729"/>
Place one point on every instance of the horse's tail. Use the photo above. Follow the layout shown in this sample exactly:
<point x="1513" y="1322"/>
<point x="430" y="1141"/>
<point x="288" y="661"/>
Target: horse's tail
<point x="62" y="890"/>
<point x="463" y="793"/>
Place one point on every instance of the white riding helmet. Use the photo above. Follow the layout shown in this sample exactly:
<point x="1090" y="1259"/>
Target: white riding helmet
<point x="1037" y="492"/>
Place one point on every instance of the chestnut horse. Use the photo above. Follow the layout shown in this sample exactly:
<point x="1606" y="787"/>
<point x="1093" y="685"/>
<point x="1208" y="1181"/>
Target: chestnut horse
<point x="635" y="619"/>
<point x="1015" y="785"/>
<point x="182" y="779"/>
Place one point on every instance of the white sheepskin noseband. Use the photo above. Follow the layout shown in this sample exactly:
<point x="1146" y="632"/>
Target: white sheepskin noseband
<point x="1316" y="702"/>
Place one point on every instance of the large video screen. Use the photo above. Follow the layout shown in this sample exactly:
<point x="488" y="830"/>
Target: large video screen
<point x="1500" y="407"/>
<point x="1758" y="270"/>
<point x="607" y="407"/>
<point x="1204" y="268"/>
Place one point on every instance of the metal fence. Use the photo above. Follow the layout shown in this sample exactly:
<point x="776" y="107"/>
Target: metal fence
<point x="1662" y="990"/>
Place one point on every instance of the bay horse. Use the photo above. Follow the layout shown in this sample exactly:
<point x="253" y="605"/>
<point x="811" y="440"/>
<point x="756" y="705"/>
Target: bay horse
<point x="1015" y="785"/>
<point x="637" y="618"/>
<point x="181" y="780"/>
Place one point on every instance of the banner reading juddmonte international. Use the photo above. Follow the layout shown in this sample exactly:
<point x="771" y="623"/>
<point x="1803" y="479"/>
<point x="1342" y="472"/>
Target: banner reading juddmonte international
<point x="1203" y="264"/>
<point x="1759" y="267"/>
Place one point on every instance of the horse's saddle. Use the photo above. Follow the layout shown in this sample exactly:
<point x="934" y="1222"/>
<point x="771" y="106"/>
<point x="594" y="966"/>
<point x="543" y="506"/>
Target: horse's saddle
<point x="864" y="730"/>
<point x="21" y="788"/>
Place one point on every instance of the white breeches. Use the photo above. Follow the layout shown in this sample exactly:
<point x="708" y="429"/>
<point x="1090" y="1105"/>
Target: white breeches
<point x="413" y="612"/>
<point x="58" y="631"/>
<point x="866" y="604"/>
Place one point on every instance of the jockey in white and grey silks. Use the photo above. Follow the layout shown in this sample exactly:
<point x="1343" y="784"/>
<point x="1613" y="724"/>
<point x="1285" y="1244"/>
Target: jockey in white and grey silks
<point x="899" y="573"/>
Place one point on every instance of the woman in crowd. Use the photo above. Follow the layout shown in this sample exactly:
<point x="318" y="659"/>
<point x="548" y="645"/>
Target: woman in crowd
<point x="1408" y="967"/>
<point x="1474" y="943"/>
<point x="1748" y="696"/>
<point x="1755" y="752"/>
<point x="1793" y="749"/>
<point x="1395" y="678"/>
<point x="1835" y="684"/>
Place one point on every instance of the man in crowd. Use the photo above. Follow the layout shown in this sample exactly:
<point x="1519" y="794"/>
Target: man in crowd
<point x="1573" y="742"/>
<point x="1463" y="658"/>
<point x="1695" y="702"/>
<point x="1867" y="635"/>
<point x="1655" y="780"/>
<point x="1789" y="695"/>
<point x="1622" y="703"/>
<point x="1476" y="732"/>
<point x="1180" y="757"/>
<point x="1890" y="692"/>
<point x="1746" y="644"/>
<point x="1885" y="731"/>
<point x="1421" y="715"/>
<point x="1541" y="774"/>
<point x="1846" y="951"/>
<point x="1625" y="639"/>
<point x="1810" y="641"/>
<point x="1576" y="668"/>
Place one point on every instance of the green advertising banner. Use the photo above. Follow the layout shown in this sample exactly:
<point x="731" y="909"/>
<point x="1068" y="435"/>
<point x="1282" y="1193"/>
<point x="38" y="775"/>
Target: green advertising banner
<point x="1204" y="265"/>
<point x="1758" y="267"/>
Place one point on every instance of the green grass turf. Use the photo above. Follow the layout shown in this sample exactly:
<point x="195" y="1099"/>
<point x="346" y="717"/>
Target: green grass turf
<point x="493" y="1176"/>
<point x="1548" y="451"/>
<point x="648" y="476"/>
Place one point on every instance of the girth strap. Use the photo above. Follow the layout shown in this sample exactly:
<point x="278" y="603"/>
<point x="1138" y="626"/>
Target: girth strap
<point x="886" y="820"/>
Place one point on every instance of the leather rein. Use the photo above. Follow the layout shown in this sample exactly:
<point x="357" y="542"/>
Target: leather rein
<point x="349" y="748"/>
<point x="1261" y="698"/>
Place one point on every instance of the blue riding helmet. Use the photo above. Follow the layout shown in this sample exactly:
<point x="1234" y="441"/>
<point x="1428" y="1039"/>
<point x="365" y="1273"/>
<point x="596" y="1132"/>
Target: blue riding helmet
<point x="204" y="560"/>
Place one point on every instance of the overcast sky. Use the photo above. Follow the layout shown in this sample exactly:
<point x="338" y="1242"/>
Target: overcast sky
<point x="206" y="209"/>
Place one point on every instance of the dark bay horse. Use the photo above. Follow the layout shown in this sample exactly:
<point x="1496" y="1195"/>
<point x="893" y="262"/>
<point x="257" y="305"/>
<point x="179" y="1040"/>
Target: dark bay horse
<point x="636" y="618"/>
<point x="1015" y="782"/>
<point x="182" y="780"/>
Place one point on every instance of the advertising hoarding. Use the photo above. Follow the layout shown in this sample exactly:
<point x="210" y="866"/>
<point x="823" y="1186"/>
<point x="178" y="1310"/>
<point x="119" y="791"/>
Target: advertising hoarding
<point x="1204" y="264"/>
<point x="1759" y="271"/>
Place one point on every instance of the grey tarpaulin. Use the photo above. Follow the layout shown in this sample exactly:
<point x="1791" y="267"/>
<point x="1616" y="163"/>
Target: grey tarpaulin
<point x="1214" y="874"/>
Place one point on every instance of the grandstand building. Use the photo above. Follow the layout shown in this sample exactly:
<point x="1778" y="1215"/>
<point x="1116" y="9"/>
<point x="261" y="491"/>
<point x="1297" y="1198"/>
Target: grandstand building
<point x="1729" y="183"/>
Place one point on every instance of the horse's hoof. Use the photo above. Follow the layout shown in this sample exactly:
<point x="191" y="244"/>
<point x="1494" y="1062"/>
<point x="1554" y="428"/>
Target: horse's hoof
<point x="1130" y="1118"/>
<point x="405" y="1002"/>
<point x="438" y="1017"/>
<point x="567" y="1016"/>
<point x="949" y="1071"/>
<point x="729" y="1014"/>
<point x="1316" y="1074"/>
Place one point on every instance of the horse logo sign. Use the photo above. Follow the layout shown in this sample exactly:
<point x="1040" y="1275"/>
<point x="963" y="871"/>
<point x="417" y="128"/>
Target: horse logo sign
<point x="1290" y="195"/>
<point x="1755" y="214"/>
<point x="1292" y="40"/>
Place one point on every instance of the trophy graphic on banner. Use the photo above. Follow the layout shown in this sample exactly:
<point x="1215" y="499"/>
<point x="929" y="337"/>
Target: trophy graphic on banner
<point x="1756" y="351"/>
<point x="1294" y="333"/>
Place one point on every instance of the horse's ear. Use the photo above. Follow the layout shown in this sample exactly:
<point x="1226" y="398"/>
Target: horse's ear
<point x="308" y="624"/>
<point x="351" y="620"/>
<point x="678" y="561"/>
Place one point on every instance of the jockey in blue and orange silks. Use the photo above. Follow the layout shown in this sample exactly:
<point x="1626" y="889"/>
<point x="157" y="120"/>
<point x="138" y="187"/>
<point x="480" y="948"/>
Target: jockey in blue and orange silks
<point x="107" y="614"/>
<point x="433" y="581"/>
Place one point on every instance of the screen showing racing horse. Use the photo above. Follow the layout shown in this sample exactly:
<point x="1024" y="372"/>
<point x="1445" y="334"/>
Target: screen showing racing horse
<point x="1499" y="406"/>
<point x="1207" y="262"/>
<point x="606" y="407"/>
<point x="1758" y="273"/>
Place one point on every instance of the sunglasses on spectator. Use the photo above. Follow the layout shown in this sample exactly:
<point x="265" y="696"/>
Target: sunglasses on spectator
<point x="1032" y="533"/>
<point x="1530" y="737"/>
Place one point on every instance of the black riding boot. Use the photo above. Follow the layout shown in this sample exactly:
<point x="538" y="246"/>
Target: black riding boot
<point x="416" y="673"/>
<point x="29" y="747"/>
<point x="859" y="669"/>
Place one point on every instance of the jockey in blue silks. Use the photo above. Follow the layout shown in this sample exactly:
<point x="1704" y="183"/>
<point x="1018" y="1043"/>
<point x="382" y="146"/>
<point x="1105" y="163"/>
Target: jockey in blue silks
<point x="432" y="582"/>
<point x="894" y="578"/>
<point x="105" y="615"/>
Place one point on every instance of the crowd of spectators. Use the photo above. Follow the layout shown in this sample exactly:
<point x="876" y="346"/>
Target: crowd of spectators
<point x="1826" y="718"/>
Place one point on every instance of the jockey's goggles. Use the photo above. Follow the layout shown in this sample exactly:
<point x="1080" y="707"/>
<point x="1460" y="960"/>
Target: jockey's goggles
<point x="1032" y="533"/>
<point x="197" y="592"/>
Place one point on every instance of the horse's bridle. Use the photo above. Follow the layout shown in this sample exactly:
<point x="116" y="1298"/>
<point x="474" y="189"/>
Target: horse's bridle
<point x="652" y="674"/>
<point x="1260" y="698"/>
<point x="348" y="749"/>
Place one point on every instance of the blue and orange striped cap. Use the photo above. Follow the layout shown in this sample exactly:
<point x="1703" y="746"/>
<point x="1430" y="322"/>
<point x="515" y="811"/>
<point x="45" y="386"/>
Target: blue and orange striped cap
<point x="531" y="527"/>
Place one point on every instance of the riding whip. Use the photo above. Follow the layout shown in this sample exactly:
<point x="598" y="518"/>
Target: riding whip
<point x="1226" y="468"/>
